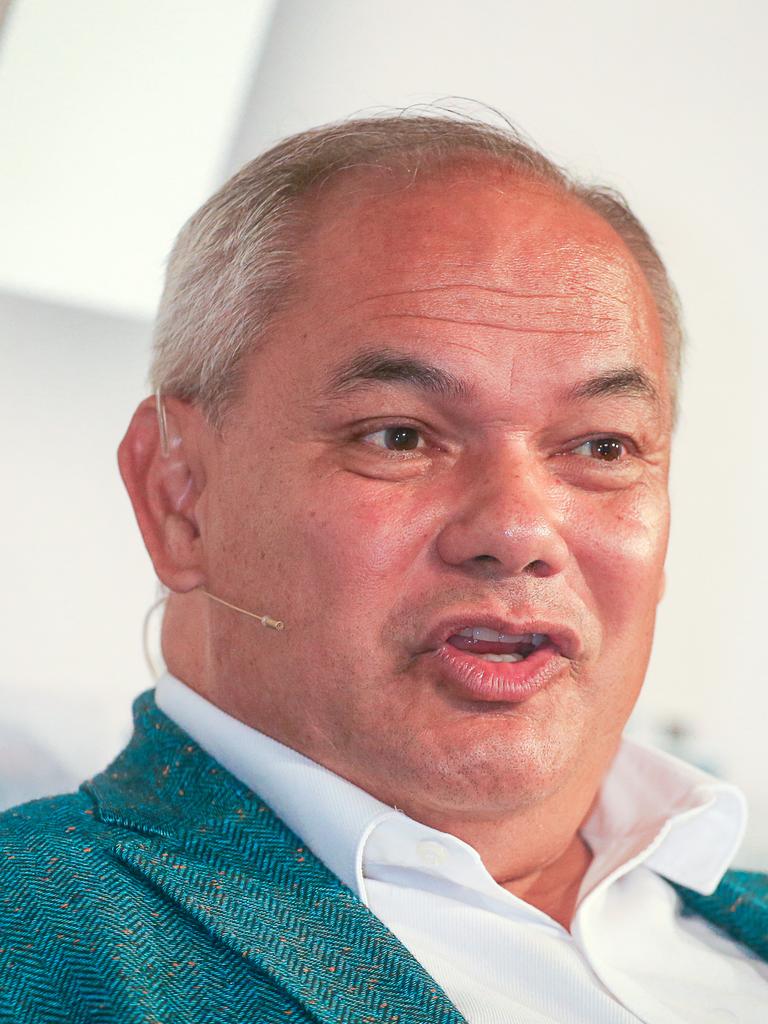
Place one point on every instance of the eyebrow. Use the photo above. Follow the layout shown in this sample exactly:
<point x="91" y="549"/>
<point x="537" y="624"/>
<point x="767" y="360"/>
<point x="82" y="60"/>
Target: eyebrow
<point x="627" y="380"/>
<point x="391" y="367"/>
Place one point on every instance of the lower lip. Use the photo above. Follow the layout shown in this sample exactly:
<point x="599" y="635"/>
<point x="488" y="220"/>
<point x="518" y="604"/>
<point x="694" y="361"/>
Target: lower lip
<point x="512" y="681"/>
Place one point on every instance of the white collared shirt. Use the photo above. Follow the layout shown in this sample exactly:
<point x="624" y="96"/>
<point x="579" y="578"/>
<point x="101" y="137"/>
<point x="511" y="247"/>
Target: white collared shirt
<point x="630" y="955"/>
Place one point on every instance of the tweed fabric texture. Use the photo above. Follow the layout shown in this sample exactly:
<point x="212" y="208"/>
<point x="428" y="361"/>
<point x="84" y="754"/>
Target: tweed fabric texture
<point x="739" y="907"/>
<point x="166" y="891"/>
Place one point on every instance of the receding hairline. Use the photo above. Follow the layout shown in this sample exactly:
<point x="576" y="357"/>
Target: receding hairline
<point x="373" y="182"/>
<point x="237" y="262"/>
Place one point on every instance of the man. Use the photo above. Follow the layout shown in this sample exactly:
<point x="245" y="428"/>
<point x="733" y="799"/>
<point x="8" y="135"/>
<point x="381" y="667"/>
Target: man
<point x="405" y="475"/>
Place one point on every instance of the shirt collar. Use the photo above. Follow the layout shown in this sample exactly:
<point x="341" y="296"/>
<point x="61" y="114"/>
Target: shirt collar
<point x="652" y="808"/>
<point x="656" y="809"/>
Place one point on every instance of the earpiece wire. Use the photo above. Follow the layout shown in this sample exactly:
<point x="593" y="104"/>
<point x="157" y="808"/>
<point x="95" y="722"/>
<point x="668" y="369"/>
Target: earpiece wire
<point x="265" y="620"/>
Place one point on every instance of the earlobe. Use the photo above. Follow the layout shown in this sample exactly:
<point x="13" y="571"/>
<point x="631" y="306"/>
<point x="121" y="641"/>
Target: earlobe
<point x="165" y="488"/>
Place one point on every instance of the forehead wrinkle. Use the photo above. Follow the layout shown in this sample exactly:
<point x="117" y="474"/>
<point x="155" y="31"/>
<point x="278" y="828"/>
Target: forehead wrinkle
<point x="570" y="308"/>
<point x="490" y="290"/>
<point x="618" y="299"/>
<point x="594" y="332"/>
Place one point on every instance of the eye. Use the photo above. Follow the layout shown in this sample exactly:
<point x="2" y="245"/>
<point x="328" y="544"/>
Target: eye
<point x="603" y="449"/>
<point x="396" y="439"/>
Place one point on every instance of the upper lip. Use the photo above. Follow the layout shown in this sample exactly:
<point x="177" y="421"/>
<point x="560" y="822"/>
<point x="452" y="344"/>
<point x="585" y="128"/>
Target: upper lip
<point x="562" y="636"/>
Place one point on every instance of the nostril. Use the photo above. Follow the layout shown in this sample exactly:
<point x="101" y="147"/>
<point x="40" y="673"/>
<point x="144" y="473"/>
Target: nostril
<point x="538" y="567"/>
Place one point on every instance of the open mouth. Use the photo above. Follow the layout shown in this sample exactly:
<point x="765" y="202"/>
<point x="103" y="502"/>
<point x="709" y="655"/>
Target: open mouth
<point x="481" y="656"/>
<point x="490" y="645"/>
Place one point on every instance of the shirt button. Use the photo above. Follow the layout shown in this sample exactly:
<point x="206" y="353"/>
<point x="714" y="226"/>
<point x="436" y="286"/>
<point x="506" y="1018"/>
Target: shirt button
<point x="432" y="853"/>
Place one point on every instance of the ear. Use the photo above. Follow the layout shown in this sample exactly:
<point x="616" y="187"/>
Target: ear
<point x="165" y="488"/>
<point x="662" y="586"/>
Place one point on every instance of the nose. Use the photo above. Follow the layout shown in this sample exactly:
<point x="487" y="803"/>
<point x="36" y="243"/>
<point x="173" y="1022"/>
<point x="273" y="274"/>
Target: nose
<point x="506" y="520"/>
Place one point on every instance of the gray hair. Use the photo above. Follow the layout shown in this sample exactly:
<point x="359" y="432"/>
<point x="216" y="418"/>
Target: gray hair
<point x="234" y="263"/>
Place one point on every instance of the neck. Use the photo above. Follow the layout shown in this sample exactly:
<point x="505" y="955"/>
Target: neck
<point x="554" y="888"/>
<point x="537" y="853"/>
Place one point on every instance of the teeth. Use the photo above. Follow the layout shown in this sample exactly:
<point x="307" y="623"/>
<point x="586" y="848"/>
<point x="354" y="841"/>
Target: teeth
<point x="501" y="657"/>
<point x="493" y="635"/>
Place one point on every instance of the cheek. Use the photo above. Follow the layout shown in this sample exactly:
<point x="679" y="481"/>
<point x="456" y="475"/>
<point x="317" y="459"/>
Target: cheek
<point x="367" y="538"/>
<point x="620" y="553"/>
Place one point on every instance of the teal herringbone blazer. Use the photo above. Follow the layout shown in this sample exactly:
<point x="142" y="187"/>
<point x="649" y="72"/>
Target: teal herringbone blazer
<point x="165" y="891"/>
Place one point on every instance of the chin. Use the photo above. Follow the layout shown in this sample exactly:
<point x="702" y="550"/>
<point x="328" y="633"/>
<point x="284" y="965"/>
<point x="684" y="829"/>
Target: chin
<point x="509" y="770"/>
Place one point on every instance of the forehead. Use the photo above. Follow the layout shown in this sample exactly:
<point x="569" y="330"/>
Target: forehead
<point x="473" y="256"/>
<point x="475" y="225"/>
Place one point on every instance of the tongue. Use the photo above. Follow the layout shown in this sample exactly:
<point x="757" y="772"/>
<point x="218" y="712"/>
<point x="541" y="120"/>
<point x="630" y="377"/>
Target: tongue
<point x="466" y="643"/>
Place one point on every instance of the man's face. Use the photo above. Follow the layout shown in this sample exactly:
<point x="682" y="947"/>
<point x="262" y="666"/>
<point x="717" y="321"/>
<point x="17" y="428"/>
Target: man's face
<point x="462" y="422"/>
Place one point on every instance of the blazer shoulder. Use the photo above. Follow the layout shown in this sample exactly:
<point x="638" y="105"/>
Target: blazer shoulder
<point x="59" y="883"/>
<point x="50" y="821"/>
<point x="46" y="842"/>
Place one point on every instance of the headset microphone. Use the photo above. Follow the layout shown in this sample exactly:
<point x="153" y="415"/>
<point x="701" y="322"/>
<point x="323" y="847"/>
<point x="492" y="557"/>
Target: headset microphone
<point x="265" y="620"/>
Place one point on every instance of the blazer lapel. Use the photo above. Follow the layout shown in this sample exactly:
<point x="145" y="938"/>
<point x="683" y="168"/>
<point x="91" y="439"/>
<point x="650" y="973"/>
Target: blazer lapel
<point x="212" y="847"/>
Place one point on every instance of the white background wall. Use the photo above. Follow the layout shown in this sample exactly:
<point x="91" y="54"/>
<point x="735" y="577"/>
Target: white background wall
<point x="117" y="119"/>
